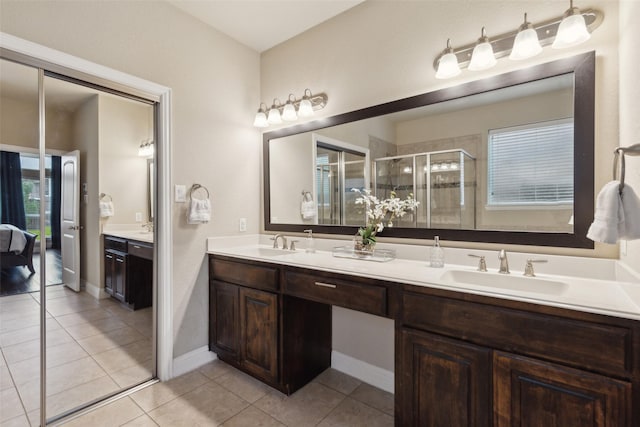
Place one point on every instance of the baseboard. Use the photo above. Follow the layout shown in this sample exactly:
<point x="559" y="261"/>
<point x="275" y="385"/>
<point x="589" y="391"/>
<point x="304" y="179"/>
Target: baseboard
<point x="95" y="291"/>
<point x="192" y="360"/>
<point x="365" y="372"/>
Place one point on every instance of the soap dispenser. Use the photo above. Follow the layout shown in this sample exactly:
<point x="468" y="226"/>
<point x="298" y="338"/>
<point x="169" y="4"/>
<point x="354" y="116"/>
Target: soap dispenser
<point x="436" y="257"/>
<point x="311" y="245"/>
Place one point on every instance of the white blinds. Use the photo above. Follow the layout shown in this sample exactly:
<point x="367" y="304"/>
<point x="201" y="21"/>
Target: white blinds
<point x="531" y="164"/>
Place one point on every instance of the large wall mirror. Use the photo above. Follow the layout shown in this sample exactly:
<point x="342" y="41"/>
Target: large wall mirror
<point x="508" y="159"/>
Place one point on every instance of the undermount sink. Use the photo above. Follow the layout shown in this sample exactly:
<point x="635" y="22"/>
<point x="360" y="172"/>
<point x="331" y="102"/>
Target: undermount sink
<point x="505" y="281"/>
<point x="273" y="252"/>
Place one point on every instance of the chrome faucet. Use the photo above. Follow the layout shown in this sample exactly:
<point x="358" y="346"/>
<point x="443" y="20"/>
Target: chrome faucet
<point x="148" y="226"/>
<point x="504" y="262"/>
<point x="275" y="241"/>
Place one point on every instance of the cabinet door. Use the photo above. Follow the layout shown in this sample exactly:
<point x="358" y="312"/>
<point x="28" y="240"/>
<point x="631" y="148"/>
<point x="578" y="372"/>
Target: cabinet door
<point x="444" y="382"/>
<point x="225" y="317"/>
<point x="259" y="333"/>
<point x="109" y="265"/>
<point x="120" y="277"/>
<point x="532" y="393"/>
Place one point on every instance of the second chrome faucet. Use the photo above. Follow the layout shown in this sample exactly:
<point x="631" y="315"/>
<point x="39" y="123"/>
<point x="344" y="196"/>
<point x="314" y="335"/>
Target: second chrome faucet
<point x="504" y="262"/>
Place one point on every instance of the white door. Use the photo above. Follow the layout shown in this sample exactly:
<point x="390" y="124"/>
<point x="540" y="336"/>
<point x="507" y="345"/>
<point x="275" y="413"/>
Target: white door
<point x="70" y="220"/>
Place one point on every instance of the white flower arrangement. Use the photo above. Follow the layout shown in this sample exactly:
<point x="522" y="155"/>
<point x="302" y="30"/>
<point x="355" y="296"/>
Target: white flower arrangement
<point x="381" y="213"/>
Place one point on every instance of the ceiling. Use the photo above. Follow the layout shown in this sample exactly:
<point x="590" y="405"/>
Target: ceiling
<point x="262" y="24"/>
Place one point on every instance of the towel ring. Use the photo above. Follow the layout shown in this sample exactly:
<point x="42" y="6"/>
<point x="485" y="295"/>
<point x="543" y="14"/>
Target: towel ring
<point x="306" y="196"/>
<point x="196" y="187"/>
<point x="105" y="195"/>
<point x="619" y="154"/>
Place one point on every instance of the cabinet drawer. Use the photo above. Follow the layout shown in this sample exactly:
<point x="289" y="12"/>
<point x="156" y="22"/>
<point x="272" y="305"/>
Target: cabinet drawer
<point x="116" y="243"/>
<point x="241" y="273"/>
<point x="369" y="298"/>
<point x="141" y="250"/>
<point x="601" y="347"/>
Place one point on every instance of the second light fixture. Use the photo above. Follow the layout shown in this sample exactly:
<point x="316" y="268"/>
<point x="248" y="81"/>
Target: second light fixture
<point x="291" y="110"/>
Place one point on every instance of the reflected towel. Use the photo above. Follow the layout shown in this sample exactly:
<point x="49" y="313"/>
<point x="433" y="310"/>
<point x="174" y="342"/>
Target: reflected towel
<point x="199" y="211"/>
<point x="631" y="209"/>
<point x="608" y="220"/>
<point x="106" y="209"/>
<point x="308" y="209"/>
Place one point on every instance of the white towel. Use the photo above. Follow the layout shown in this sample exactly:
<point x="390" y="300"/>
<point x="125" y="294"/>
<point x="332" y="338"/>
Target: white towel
<point x="308" y="209"/>
<point x="631" y="209"/>
<point x="106" y="209"/>
<point x="199" y="211"/>
<point x="608" y="220"/>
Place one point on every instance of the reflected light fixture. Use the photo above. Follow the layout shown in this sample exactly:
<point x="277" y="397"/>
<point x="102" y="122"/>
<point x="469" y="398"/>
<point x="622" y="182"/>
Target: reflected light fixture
<point x="526" y="44"/>
<point x="448" y="65"/>
<point x="572" y="30"/>
<point x="306" y="107"/>
<point x="482" y="57"/>
<point x="274" y="117"/>
<point x="261" y="117"/>
<point x="289" y="112"/>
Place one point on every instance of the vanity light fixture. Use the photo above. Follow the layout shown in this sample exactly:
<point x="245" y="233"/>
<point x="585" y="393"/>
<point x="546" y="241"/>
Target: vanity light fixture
<point x="448" y="64"/>
<point x="526" y="44"/>
<point x="482" y="57"/>
<point x="572" y="28"/>
<point x="261" y="117"/>
<point x="306" y="107"/>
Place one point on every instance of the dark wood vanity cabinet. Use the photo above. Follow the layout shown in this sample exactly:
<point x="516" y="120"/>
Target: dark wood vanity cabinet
<point x="128" y="271"/>
<point x="478" y="361"/>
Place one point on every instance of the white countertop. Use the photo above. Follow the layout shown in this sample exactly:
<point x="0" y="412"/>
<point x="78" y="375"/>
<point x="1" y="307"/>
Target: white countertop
<point x="139" y="235"/>
<point x="614" y="291"/>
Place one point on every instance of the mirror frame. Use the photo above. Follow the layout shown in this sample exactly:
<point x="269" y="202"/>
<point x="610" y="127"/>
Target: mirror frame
<point x="583" y="67"/>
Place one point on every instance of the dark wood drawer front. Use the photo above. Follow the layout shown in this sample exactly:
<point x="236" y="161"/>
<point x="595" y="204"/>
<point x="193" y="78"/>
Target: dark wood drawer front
<point x="603" y="348"/>
<point x="240" y="273"/>
<point x="369" y="298"/>
<point x="115" y="243"/>
<point x="141" y="250"/>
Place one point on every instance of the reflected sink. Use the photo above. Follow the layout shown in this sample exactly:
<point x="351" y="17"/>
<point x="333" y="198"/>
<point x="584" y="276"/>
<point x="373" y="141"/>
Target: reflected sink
<point x="505" y="281"/>
<point x="272" y="252"/>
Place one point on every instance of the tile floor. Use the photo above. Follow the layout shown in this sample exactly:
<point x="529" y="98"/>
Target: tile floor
<point x="94" y="348"/>
<point x="219" y="395"/>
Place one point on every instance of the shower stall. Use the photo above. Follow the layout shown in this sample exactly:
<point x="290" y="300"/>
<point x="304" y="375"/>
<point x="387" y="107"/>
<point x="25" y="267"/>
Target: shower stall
<point x="444" y="182"/>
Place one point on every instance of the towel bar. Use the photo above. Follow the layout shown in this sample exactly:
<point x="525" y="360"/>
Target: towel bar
<point x="633" y="150"/>
<point x="196" y="187"/>
<point x="105" y="195"/>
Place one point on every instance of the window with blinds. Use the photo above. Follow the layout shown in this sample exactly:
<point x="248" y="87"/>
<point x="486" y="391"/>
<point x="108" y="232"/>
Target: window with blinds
<point x="531" y="164"/>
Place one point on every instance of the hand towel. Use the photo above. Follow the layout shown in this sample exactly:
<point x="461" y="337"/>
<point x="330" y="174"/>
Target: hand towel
<point x="609" y="219"/>
<point x="631" y="209"/>
<point x="308" y="209"/>
<point x="106" y="209"/>
<point x="199" y="211"/>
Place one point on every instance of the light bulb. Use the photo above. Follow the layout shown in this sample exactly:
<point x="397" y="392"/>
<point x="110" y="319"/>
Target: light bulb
<point x="274" y="114"/>
<point x="526" y="44"/>
<point x="289" y="112"/>
<point x="261" y="118"/>
<point x="448" y="65"/>
<point x="305" y="109"/>
<point x="482" y="57"/>
<point x="572" y="30"/>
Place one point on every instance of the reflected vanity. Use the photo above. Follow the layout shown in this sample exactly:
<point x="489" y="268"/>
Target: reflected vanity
<point x="471" y="154"/>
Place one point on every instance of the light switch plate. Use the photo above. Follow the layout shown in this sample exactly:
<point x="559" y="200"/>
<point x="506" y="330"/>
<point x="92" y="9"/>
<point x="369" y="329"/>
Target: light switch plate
<point x="243" y="224"/>
<point x="181" y="193"/>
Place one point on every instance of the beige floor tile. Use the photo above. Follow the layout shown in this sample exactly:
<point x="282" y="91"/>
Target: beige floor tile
<point x="31" y="349"/>
<point x="107" y="340"/>
<point x="29" y="369"/>
<point x="3" y="362"/>
<point x="245" y="386"/>
<point x="12" y="299"/>
<point x="80" y="395"/>
<point x="5" y="378"/>
<point x="338" y="381"/>
<point x="215" y="369"/>
<point x="208" y="405"/>
<point x="87" y="316"/>
<point x="114" y="414"/>
<point x="306" y="407"/>
<point x="19" y="421"/>
<point x="143" y="421"/>
<point x="350" y="413"/>
<point x="160" y="393"/>
<point x="124" y="357"/>
<point x="133" y="375"/>
<point x="20" y="321"/>
<point x="10" y="406"/>
<point x="30" y="333"/>
<point x="62" y="306"/>
<point x="374" y="397"/>
<point x="253" y="417"/>
<point x="95" y="327"/>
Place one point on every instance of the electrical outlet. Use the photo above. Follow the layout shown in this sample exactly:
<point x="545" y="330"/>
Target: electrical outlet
<point x="138" y="216"/>
<point x="243" y="224"/>
<point x="181" y="194"/>
<point x="623" y="247"/>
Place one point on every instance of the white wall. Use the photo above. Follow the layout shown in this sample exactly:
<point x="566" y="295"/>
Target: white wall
<point x="215" y="89"/>
<point x="382" y="51"/>
<point x="630" y="106"/>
